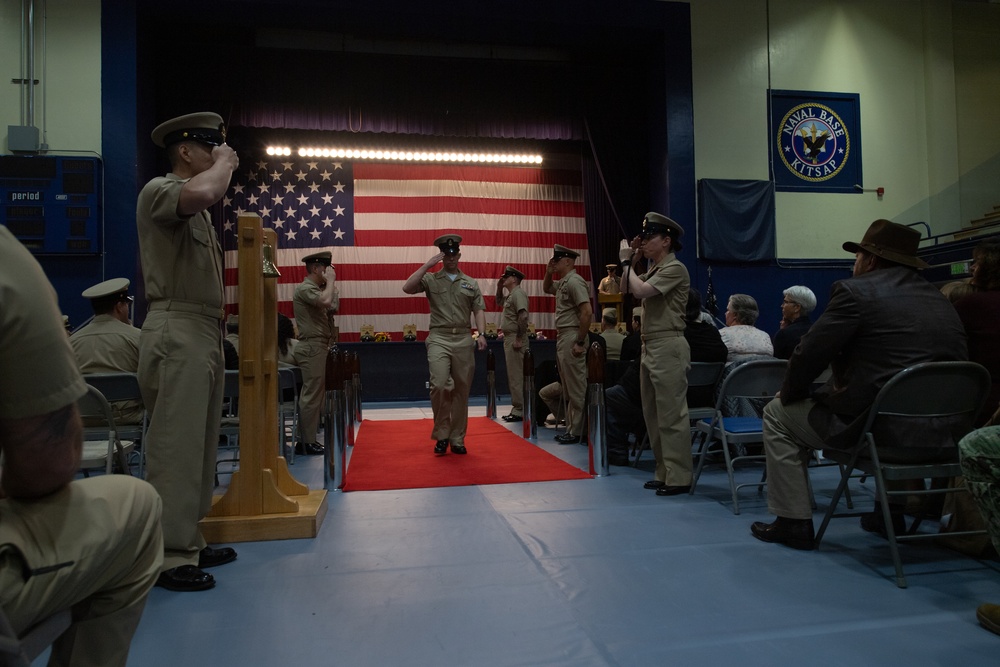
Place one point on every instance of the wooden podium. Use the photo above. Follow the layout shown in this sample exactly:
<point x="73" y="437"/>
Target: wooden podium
<point x="263" y="501"/>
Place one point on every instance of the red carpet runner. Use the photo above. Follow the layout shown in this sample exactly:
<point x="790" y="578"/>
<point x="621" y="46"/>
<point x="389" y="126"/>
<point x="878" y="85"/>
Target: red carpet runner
<point x="400" y="455"/>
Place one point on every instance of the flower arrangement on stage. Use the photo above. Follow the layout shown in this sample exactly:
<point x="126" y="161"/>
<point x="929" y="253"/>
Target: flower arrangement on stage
<point x="382" y="337"/>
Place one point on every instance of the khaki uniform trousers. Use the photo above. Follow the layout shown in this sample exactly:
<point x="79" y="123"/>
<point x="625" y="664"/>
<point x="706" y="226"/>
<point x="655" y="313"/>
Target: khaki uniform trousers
<point x="515" y="373"/>
<point x="789" y="442"/>
<point x="452" y="364"/>
<point x="573" y="377"/>
<point x="663" y="387"/>
<point x="101" y="538"/>
<point x="310" y="355"/>
<point x="181" y="375"/>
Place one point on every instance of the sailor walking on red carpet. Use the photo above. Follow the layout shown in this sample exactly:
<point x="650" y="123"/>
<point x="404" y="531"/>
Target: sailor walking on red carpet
<point x="453" y="298"/>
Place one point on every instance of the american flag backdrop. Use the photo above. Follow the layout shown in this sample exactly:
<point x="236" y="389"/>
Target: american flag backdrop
<point x="380" y="220"/>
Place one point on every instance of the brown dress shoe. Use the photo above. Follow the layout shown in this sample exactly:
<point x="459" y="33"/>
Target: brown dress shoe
<point x="989" y="617"/>
<point x="794" y="533"/>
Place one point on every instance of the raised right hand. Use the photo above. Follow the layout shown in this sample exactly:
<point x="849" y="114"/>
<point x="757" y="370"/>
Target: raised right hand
<point x="225" y="153"/>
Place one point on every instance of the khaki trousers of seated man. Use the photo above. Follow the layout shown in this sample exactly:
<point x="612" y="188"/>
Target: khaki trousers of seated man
<point x="515" y="373"/>
<point x="452" y="364"/>
<point x="789" y="443"/>
<point x="310" y="356"/>
<point x="663" y="388"/>
<point x="573" y="376"/>
<point x="95" y="547"/>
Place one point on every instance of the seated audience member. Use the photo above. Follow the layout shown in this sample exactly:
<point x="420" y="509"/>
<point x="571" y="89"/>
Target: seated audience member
<point x="109" y="343"/>
<point x="706" y="344"/>
<point x="980" y="315"/>
<point x="286" y="340"/>
<point x="632" y="345"/>
<point x="741" y="337"/>
<point x="883" y="319"/>
<point x="798" y="303"/>
<point x="980" y="455"/>
<point x="551" y="393"/>
<point x="93" y="546"/>
<point x="613" y="339"/>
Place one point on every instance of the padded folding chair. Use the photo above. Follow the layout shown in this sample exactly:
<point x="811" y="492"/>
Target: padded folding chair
<point x="19" y="650"/>
<point x="101" y="444"/>
<point x="753" y="380"/>
<point x="700" y="374"/>
<point x="952" y="391"/>
<point x="123" y="387"/>
<point x="229" y="426"/>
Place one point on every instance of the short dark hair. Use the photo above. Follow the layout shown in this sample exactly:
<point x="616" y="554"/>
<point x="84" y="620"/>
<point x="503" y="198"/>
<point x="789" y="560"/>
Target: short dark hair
<point x="692" y="313"/>
<point x="987" y="258"/>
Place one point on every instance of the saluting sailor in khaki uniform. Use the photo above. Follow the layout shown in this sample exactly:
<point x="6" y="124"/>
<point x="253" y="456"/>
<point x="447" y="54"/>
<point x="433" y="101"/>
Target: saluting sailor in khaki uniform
<point x="666" y="355"/>
<point x="515" y="336"/>
<point x="181" y="371"/>
<point x="609" y="283"/>
<point x="93" y="545"/>
<point x="573" y="316"/>
<point x="453" y="298"/>
<point x="315" y="301"/>
<point x="109" y="343"/>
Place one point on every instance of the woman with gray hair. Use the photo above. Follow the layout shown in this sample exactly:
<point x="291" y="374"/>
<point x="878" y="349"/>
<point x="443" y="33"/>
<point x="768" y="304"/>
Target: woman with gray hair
<point x="742" y="338"/>
<point x="799" y="302"/>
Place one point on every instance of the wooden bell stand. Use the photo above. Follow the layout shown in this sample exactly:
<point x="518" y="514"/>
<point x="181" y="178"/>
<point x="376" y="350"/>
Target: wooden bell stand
<point x="263" y="501"/>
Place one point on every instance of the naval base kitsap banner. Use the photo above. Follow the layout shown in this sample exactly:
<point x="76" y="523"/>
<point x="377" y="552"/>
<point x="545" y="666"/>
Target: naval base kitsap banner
<point x="815" y="141"/>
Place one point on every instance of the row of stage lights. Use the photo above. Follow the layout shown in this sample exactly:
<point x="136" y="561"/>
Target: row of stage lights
<point x="419" y="156"/>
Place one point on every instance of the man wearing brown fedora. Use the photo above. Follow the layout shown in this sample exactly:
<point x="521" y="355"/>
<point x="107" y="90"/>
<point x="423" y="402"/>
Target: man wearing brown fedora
<point x="883" y="319"/>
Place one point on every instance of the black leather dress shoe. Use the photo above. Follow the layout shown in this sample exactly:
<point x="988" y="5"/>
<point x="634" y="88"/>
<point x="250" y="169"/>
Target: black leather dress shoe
<point x="458" y="449"/>
<point x="653" y="484"/>
<point x="874" y="523"/>
<point x="441" y="447"/>
<point x="308" y="449"/>
<point x="512" y="418"/>
<point x="567" y="439"/>
<point x="794" y="533"/>
<point x="185" y="578"/>
<point x="668" y="490"/>
<point x="209" y="557"/>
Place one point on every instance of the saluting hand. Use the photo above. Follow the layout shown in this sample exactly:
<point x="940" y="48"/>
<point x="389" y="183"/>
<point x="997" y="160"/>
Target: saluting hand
<point x="330" y="275"/>
<point x="225" y="153"/>
<point x="434" y="260"/>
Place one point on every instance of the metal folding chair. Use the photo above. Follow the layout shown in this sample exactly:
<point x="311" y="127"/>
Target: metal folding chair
<point x="118" y="388"/>
<point x="949" y="392"/>
<point x="753" y="380"/>
<point x="101" y="444"/>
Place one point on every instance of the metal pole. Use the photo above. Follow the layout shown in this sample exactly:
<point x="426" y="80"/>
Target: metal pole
<point x="597" y="427"/>
<point x="529" y="429"/>
<point x="356" y="379"/>
<point x="491" y="385"/>
<point x="334" y="430"/>
<point x="349" y="397"/>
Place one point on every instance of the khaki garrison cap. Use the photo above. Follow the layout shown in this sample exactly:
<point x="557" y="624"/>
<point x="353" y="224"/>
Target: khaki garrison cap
<point x="116" y="287"/>
<point x="448" y="243"/>
<point x="511" y="271"/>
<point x="560" y="251"/>
<point x="205" y="127"/>
<point x="325" y="258"/>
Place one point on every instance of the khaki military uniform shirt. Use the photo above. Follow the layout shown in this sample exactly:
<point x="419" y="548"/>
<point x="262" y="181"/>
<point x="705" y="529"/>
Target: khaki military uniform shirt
<point x="313" y="320"/>
<point x="571" y="291"/>
<point x="106" y="345"/>
<point x="452" y="302"/>
<point x="515" y="302"/>
<point x="665" y="312"/>
<point x="181" y="257"/>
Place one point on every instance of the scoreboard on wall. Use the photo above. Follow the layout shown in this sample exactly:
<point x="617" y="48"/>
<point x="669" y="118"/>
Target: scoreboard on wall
<point x="52" y="204"/>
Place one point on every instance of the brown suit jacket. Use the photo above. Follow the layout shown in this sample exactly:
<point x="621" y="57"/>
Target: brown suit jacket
<point x="875" y="325"/>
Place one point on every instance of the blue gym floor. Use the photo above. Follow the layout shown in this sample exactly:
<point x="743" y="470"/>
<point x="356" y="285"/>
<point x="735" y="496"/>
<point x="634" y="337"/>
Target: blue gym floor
<point x="591" y="572"/>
